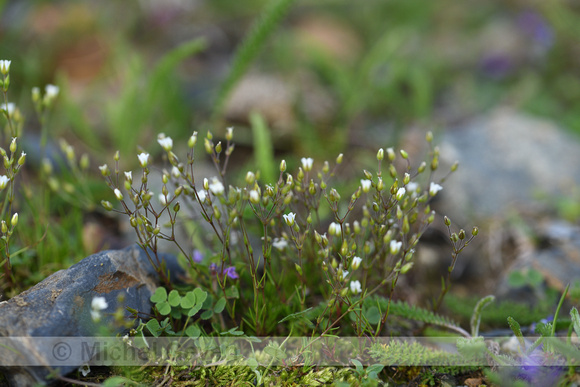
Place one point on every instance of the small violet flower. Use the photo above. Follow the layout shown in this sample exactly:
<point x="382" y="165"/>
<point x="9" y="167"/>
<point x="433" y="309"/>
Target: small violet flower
<point x="197" y="256"/>
<point x="231" y="272"/>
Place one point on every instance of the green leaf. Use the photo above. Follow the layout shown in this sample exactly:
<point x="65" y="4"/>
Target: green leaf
<point x="373" y="315"/>
<point x="575" y="320"/>
<point x="194" y="310"/>
<point x="163" y="308"/>
<point x="193" y="331"/>
<point x="294" y="315"/>
<point x="263" y="148"/>
<point x="535" y="278"/>
<point x="232" y="292"/>
<point x="207" y="314"/>
<point x="188" y="301"/>
<point x="220" y="305"/>
<point x="200" y="295"/>
<point x="174" y="298"/>
<point x="176" y="313"/>
<point x="515" y="327"/>
<point x="375" y="368"/>
<point x="160" y="295"/>
<point x="358" y="365"/>
<point x="476" y="317"/>
<point x="516" y="279"/>
<point x="153" y="327"/>
<point x="276" y="353"/>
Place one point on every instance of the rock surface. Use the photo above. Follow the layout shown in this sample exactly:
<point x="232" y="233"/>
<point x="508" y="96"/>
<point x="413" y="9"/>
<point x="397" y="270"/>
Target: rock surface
<point x="60" y="306"/>
<point x="507" y="160"/>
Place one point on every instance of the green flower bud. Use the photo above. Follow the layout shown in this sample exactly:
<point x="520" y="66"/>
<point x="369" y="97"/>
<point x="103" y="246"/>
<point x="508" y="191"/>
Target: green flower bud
<point x="475" y="231"/>
<point x="117" y="156"/>
<point x="229" y="133"/>
<point x="192" y="140"/>
<point x="218" y="147"/>
<point x="4" y="227"/>
<point x="406" y="267"/>
<point x="22" y="159"/>
<point x="404" y="154"/>
<point x="298" y="269"/>
<point x="429" y="136"/>
<point x="455" y="166"/>
<point x="380" y="154"/>
<point x="461" y="234"/>
<point x="406" y="179"/>
<point x="208" y="146"/>
<point x="14" y="220"/>
<point x="391" y="154"/>
<point x="106" y="205"/>
<point x="392" y="171"/>
<point x="447" y="221"/>
<point x="380" y="184"/>
<point x="339" y="159"/>
<point x="13" y="145"/>
<point x="422" y="167"/>
<point x="283" y="166"/>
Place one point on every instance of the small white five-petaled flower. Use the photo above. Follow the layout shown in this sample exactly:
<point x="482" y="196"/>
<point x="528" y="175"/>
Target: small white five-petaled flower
<point x="143" y="159"/>
<point x="279" y="243"/>
<point x="165" y="142"/>
<point x="289" y="218"/>
<point x="395" y="247"/>
<point x="355" y="287"/>
<point x="366" y="185"/>
<point x="307" y="163"/>
<point x="98" y="304"/>
<point x="216" y="187"/>
<point x="434" y="188"/>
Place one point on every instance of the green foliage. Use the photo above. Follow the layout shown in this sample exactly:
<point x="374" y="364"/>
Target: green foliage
<point x="271" y="16"/>
<point x="476" y="317"/>
<point x="263" y="148"/>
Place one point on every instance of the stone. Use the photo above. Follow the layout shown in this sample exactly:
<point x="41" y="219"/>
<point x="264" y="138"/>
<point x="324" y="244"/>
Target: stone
<point x="60" y="306"/>
<point x="508" y="161"/>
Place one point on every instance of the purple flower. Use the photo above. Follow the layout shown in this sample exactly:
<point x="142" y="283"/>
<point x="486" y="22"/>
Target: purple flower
<point x="537" y="28"/>
<point x="197" y="256"/>
<point x="231" y="272"/>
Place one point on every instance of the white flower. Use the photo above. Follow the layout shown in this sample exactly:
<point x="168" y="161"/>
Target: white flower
<point x="143" y="159"/>
<point x="216" y="187"/>
<point x="163" y="199"/>
<point x="365" y="184"/>
<point x="9" y="108"/>
<point x="355" y="287"/>
<point x="395" y="247"/>
<point x="98" y="304"/>
<point x="202" y="195"/>
<point x="279" y="243"/>
<point x="434" y="188"/>
<point x="5" y="66"/>
<point x="307" y="163"/>
<point x="128" y="176"/>
<point x="400" y="193"/>
<point x="51" y="91"/>
<point x="334" y="229"/>
<point x="254" y="196"/>
<point x="4" y="181"/>
<point x="165" y="142"/>
<point x="175" y="172"/>
<point x="85" y="369"/>
<point x="118" y="194"/>
<point x="356" y="263"/>
<point x="289" y="218"/>
<point x="344" y="274"/>
<point x="412" y="187"/>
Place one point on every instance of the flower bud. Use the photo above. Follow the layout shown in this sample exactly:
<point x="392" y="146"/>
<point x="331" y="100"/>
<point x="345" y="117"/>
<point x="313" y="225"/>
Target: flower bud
<point x="192" y="140"/>
<point x="4" y="227"/>
<point x="475" y="231"/>
<point x="334" y="195"/>
<point x="399" y="212"/>
<point x="455" y="166"/>
<point x="406" y="179"/>
<point x="14" y="220"/>
<point x="254" y="197"/>
<point x="22" y="159"/>
<point x="178" y="191"/>
<point x="116" y="157"/>
<point x="447" y="221"/>
<point x="218" y="147"/>
<point x="429" y="136"/>
<point x="422" y="167"/>
<point x="104" y="169"/>
<point x="339" y="159"/>
<point x="461" y="234"/>
<point x="395" y="247"/>
<point x="404" y="154"/>
<point x="118" y="194"/>
<point x="356" y="261"/>
<point x="106" y="205"/>
<point x="208" y="146"/>
<point x="206" y="184"/>
<point x="143" y="159"/>
<point x="283" y="166"/>
<point x="13" y="145"/>
<point x="400" y="193"/>
<point x="380" y="154"/>
<point x="380" y="184"/>
<point x="84" y="162"/>
<point x="392" y="171"/>
<point x="390" y="154"/>
<point x="229" y="133"/>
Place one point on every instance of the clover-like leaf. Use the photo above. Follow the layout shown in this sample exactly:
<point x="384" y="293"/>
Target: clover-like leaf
<point x="193" y="331"/>
<point x="207" y="314"/>
<point x="188" y="301"/>
<point x="220" y="305"/>
<point x="174" y="298"/>
<point x="160" y="295"/>
<point x="163" y="308"/>
<point x="200" y="295"/>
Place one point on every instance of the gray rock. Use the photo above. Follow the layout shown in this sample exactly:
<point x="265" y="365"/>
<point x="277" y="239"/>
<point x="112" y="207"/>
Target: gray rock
<point x="507" y="160"/>
<point x="60" y="306"/>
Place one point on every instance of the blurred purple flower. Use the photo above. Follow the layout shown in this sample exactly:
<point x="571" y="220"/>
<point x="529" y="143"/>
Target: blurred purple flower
<point x="496" y="66"/>
<point x="536" y="27"/>
<point x="197" y="256"/>
<point x="231" y="272"/>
